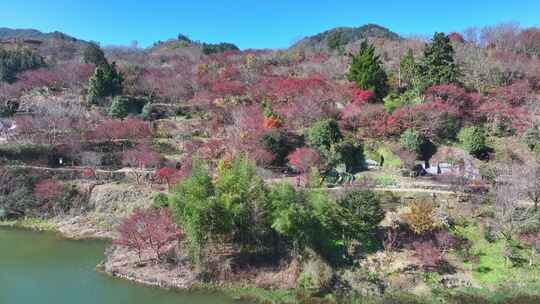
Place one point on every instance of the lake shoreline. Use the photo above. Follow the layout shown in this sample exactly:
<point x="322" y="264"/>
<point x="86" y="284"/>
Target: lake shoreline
<point x="122" y="264"/>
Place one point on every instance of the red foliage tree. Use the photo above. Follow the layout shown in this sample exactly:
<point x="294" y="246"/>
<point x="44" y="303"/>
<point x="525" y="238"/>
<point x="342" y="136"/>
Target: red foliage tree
<point x="515" y="94"/>
<point x="445" y="240"/>
<point x="426" y="118"/>
<point x="369" y="120"/>
<point x="360" y="96"/>
<point x="168" y="175"/>
<point x="89" y="173"/>
<point x="302" y="159"/>
<point x="39" y="78"/>
<point x="48" y="189"/>
<point x="141" y="158"/>
<point x="287" y="89"/>
<point x="427" y="254"/>
<point x="148" y="229"/>
<point x="456" y="37"/>
<point x="454" y="96"/>
<point x="115" y="129"/>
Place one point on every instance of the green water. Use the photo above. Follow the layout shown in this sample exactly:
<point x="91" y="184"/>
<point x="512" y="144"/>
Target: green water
<point x="44" y="268"/>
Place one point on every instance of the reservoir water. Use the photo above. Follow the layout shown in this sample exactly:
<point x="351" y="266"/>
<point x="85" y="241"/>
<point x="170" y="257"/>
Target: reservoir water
<point x="37" y="267"/>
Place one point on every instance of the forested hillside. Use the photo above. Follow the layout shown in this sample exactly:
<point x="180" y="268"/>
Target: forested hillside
<point x="355" y="164"/>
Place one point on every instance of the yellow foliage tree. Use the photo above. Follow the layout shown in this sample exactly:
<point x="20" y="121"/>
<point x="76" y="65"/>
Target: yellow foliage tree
<point x="420" y="217"/>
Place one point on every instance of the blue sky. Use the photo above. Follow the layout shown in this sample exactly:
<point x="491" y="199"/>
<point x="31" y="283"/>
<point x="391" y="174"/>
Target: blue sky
<point x="255" y="23"/>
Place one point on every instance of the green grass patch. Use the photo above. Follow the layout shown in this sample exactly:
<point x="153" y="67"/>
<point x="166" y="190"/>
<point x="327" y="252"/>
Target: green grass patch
<point x="385" y="181"/>
<point x="490" y="270"/>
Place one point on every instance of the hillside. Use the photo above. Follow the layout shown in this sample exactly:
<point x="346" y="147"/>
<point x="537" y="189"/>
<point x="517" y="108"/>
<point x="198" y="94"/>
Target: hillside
<point x="9" y="33"/>
<point x="388" y="168"/>
<point x="343" y="35"/>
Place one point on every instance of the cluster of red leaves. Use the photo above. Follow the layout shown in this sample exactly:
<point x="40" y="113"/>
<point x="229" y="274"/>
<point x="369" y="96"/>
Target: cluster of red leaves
<point x="141" y="157"/>
<point x="369" y="120"/>
<point x="170" y="83"/>
<point x="148" y="229"/>
<point x="445" y="240"/>
<point x="88" y="173"/>
<point x="168" y="175"/>
<point x="50" y="129"/>
<point x="284" y="89"/>
<point x="63" y="75"/>
<point x="115" y="129"/>
<point x="39" y="78"/>
<point x="48" y="189"/>
<point x="426" y="118"/>
<point x="515" y="94"/>
<point x="427" y="254"/>
<point x="360" y="96"/>
<point x="456" y="37"/>
<point x="208" y="150"/>
<point x="302" y="159"/>
<point x="245" y="136"/>
<point x="224" y="88"/>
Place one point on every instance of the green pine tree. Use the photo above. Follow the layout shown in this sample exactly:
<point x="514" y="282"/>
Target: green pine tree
<point x="407" y="67"/>
<point x="106" y="81"/>
<point x="367" y="71"/>
<point x="438" y="66"/>
<point x="119" y="107"/>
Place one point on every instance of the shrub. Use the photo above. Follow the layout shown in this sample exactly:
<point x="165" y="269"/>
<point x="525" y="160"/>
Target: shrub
<point x="48" y="189"/>
<point x="168" y="175"/>
<point x="449" y="128"/>
<point x="411" y="140"/>
<point x="385" y="181"/>
<point x="160" y="200"/>
<point x="417" y="143"/>
<point x="309" y="219"/>
<point x="17" y="189"/>
<point x="25" y="151"/>
<point x="323" y="134"/>
<point x="532" y="137"/>
<point x="349" y="152"/>
<point x="152" y="111"/>
<point x="393" y="101"/>
<point x="280" y="144"/>
<point x="420" y="217"/>
<point x="445" y="240"/>
<point x="8" y="107"/>
<point x="473" y="140"/>
<point x="316" y="274"/>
